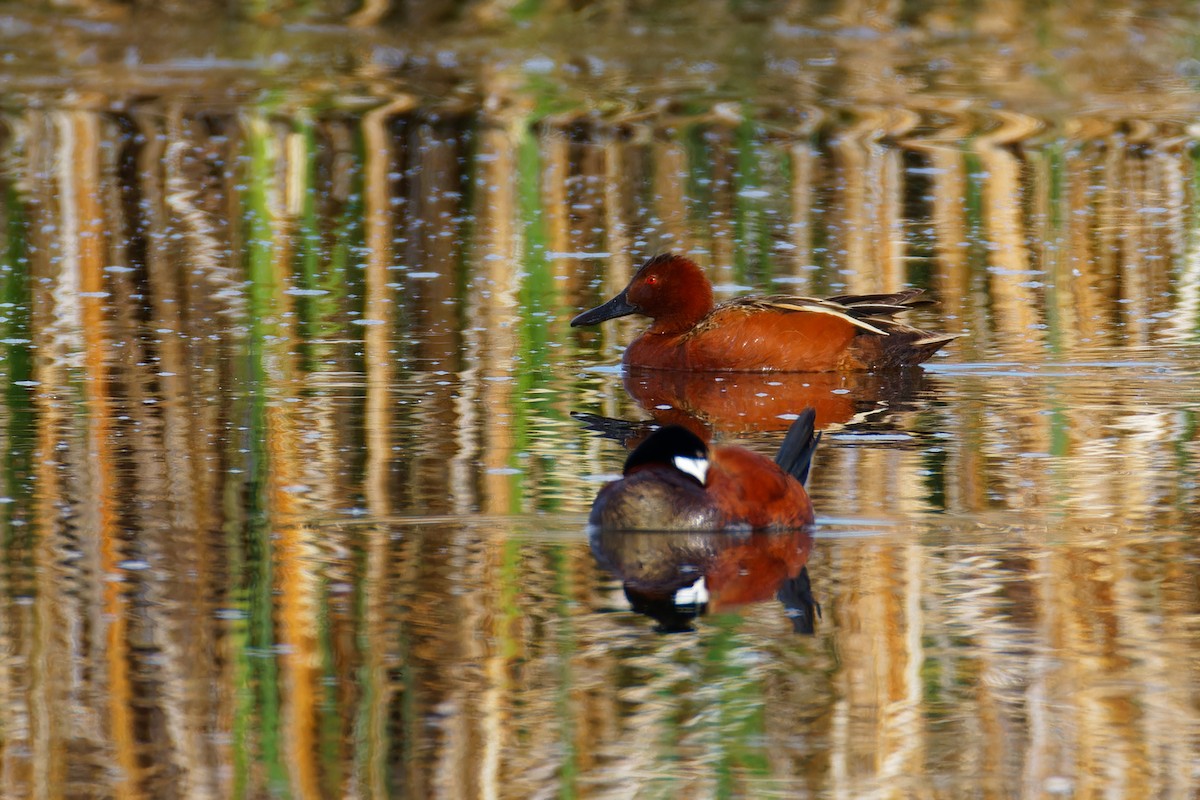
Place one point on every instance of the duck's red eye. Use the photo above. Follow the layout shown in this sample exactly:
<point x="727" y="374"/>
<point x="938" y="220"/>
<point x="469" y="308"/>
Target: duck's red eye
<point x="651" y="280"/>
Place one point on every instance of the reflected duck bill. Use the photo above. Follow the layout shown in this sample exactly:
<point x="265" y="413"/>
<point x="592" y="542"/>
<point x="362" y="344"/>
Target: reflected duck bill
<point x="755" y="334"/>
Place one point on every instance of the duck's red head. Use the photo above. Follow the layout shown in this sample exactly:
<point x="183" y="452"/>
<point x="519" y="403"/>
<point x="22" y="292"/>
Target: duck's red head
<point x="670" y="289"/>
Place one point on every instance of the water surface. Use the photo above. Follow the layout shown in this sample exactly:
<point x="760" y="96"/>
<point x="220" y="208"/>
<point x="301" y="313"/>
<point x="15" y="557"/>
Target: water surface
<point x="300" y="445"/>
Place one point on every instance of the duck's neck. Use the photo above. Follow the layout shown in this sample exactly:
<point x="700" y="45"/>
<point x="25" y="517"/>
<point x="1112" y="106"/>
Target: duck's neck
<point x="686" y="309"/>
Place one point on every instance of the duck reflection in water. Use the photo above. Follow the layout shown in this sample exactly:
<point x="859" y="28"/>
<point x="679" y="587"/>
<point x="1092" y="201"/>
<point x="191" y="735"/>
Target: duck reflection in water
<point x="675" y="577"/>
<point x="690" y="528"/>
<point x="742" y="401"/>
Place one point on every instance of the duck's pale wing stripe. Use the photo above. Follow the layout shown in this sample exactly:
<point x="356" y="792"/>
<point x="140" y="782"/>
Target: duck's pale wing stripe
<point x="833" y="311"/>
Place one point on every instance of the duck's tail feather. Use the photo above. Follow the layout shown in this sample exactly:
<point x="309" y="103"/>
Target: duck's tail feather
<point x="796" y="453"/>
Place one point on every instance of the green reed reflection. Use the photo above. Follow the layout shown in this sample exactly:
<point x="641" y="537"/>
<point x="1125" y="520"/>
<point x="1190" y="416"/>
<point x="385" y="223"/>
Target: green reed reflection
<point x="567" y="648"/>
<point x="752" y="212"/>
<point x="336" y="281"/>
<point x="534" y="295"/>
<point x="540" y="315"/>
<point x="260" y="716"/>
<point x="740" y="711"/>
<point x="17" y="420"/>
<point x="309" y="251"/>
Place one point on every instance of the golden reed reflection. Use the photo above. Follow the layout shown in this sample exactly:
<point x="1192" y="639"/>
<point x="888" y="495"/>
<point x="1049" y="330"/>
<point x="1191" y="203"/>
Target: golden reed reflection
<point x="245" y="329"/>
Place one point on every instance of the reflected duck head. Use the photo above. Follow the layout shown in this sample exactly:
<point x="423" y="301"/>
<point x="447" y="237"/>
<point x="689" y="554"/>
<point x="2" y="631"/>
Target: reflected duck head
<point x="675" y="577"/>
<point x="672" y="612"/>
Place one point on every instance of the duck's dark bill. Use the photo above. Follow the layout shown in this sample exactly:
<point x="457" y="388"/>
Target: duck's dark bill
<point x="619" y="306"/>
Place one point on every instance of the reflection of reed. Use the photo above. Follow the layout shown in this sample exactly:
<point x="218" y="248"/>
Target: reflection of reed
<point x="723" y="177"/>
<point x="871" y="181"/>
<point x="466" y="658"/>
<point x="1154" y="226"/>
<point x="1017" y="606"/>
<point x="378" y="308"/>
<point x="492" y="302"/>
<point x="54" y="658"/>
<point x="156" y="377"/>
<point x="617" y="213"/>
<point x="948" y="216"/>
<point x="124" y="328"/>
<point x="803" y="161"/>
<point x="378" y="313"/>
<point x="1010" y="279"/>
<point x="275" y="347"/>
<point x="1083" y="307"/>
<point x="83" y="215"/>
<point x="555" y="151"/>
<point x="670" y="196"/>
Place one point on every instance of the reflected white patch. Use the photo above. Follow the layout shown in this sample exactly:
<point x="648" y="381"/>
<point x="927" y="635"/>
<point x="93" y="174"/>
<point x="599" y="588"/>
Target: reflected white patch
<point x="696" y="594"/>
<point x="696" y="467"/>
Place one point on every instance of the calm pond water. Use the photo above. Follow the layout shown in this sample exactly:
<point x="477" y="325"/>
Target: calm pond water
<point x="300" y="445"/>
